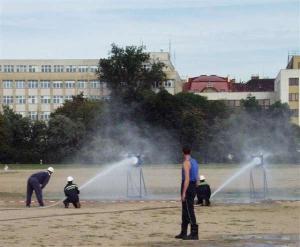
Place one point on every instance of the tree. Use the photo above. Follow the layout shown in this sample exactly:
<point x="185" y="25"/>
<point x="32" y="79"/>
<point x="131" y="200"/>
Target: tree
<point x="129" y="70"/>
<point x="81" y="109"/>
<point x="64" y="138"/>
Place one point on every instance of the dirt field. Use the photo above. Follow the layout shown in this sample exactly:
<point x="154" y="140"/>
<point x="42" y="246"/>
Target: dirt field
<point x="148" y="222"/>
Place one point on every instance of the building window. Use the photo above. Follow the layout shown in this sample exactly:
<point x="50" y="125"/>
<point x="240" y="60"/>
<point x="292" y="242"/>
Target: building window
<point x="21" y="68"/>
<point x="0" y="68"/>
<point x="294" y="81"/>
<point x="45" y="84"/>
<point x="95" y="84"/>
<point x="22" y="113"/>
<point x="168" y="83"/>
<point x="293" y="97"/>
<point x="83" y="68"/>
<point x="46" y="68"/>
<point x="20" y="99"/>
<point x="45" y="116"/>
<point x="32" y="99"/>
<point x="95" y="97"/>
<point x="81" y="84"/>
<point x="33" y="68"/>
<point x="57" y="84"/>
<point x="70" y="68"/>
<point x="8" y="100"/>
<point x="58" y="68"/>
<point x="7" y="84"/>
<point x="32" y="84"/>
<point x="68" y="97"/>
<point x="70" y="84"/>
<point x="8" y="68"/>
<point x="93" y="69"/>
<point x="45" y="100"/>
<point x="32" y="115"/>
<point x="58" y="99"/>
<point x="20" y="84"/>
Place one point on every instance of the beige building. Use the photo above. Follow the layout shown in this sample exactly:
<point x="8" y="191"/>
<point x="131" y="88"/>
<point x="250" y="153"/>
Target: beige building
<point x="287" y="87"/>
<point x="35" y="88"/>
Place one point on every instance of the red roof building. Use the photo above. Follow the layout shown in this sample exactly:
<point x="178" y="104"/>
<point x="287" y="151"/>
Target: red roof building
<point x="205" y="83"/>
<point x="213" y="83"/>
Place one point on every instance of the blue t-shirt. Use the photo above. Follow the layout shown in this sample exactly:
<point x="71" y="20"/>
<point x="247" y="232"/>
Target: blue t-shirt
<point x="193" y="171"/>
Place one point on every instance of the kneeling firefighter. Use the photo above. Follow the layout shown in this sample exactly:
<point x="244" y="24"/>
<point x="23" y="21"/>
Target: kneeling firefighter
<point x="71" y="192"/>
<point x="203" y="192"/>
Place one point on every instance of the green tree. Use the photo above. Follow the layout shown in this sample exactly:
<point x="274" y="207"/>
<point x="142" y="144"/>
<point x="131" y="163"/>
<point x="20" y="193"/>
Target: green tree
<point x="64" y="138"/>
<point x="129" y="70"/>
<point x="83" y="110"/>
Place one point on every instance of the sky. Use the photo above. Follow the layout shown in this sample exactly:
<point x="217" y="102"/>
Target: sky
<point x="236" y="38"/>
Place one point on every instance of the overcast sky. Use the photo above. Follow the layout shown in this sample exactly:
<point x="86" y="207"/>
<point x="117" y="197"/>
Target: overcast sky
<point x="224" y="37"/>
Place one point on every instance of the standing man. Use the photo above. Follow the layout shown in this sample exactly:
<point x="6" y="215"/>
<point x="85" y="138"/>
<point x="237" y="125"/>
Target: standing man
<point x="36" y="182"/>
<point x="188" y="193"/>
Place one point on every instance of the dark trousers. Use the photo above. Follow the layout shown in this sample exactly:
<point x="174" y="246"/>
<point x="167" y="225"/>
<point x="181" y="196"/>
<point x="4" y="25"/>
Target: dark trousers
<point x="73" y="200"/>
<point x="34" y="185"/>
<point x="188" y="213"/>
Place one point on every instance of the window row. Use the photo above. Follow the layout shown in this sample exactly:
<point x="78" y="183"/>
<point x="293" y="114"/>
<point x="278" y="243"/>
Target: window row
<point x="45" y="99"/>
<point x="166" y="84"/>
<point x="293" y="97"/>
<point x="48" y="68"/>
<point x="51" y="84"/>
<point x="237" y="103"/>
<point x="33" y="115"/>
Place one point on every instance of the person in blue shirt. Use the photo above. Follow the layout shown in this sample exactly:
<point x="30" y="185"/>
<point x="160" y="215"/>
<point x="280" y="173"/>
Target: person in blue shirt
<point x="37" y="182"/>
<point x="188" y="193"/>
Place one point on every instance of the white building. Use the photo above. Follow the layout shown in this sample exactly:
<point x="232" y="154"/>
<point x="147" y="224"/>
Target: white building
<point x="37" y="87"/>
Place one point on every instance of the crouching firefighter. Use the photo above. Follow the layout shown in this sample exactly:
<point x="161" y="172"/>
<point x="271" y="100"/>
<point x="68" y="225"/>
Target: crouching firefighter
<point x="188" y="193"/>
<point x="71" y="192"/>
<point x="37" y="182"/>
<point x="203" y="192"/>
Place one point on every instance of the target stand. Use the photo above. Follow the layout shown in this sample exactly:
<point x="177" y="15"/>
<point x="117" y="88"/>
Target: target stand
<point x="257" y="193"/>
<point x="136" y="187"/>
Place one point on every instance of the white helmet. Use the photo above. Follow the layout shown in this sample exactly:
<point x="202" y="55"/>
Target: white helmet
<point x="202" y="177"/>
<point x="50" y="169"/>
<point x="70" y="179"/>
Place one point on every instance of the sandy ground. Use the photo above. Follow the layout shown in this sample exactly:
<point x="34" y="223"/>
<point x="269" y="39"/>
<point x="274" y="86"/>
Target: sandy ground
<point x="151" y="224"/>
<point x="146" y="223"/>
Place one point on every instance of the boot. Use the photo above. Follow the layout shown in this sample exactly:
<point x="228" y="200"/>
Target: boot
<point x="194" y="233"/>
<point x="183" y="233"/>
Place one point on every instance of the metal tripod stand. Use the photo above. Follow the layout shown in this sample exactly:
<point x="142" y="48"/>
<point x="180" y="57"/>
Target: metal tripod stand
<point x="136" y="186"/>
<point x="254" y="192"/>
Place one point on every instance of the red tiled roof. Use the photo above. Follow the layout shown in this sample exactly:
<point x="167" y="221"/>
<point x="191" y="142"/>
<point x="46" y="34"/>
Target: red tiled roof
<point x="208" y="78"/>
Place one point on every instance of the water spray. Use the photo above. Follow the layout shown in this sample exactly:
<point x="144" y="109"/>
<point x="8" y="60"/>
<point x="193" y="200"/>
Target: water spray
<point x="232" y="178"/>
<point x="127" y="162"/>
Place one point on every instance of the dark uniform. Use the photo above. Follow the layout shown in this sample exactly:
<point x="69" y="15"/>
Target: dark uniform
<point x="71" y="192"/>
<point x="188" y="214"/>
<point x="203" y="193"/>
<point x="37" y="182"/>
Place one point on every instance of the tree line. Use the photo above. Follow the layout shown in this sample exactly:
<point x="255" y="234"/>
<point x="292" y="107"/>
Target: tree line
<point x="137" y="120"/>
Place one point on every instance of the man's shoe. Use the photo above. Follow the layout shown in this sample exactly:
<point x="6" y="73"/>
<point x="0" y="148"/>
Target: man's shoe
<point x="181" y="236"/>
<point x="194" y="233"/>
<point x="183" y="233"/>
